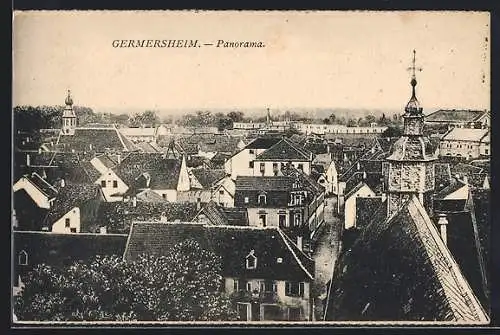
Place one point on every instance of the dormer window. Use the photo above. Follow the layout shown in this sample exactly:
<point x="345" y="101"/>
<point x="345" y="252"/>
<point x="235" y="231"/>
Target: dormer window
<point x="262" y="199"/>
<point x="251" y="261"/>
<point x="23" y="258"/>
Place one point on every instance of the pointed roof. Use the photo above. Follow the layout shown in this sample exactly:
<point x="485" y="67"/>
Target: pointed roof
<point x="231" y="243"/>
<point x="399" y="269"/>
<point x="285" y="150"/>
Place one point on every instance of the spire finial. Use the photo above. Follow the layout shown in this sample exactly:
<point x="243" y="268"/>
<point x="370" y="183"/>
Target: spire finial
<point x="69" y="100"/>
<point x="414" y="68"/>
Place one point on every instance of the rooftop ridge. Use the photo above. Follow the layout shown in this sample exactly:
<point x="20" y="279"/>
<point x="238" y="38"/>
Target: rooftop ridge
<point x="293" y="253"/>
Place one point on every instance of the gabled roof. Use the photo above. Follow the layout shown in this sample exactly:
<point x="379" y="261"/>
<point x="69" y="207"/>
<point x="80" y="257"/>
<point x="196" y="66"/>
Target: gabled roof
<point x="101" y="139"/>
<point x="225" y="216"/>
<point x="448" y="205"/>
<point x="285" y="150"/>
<point x="452" y="115"/>
<point x="399" y="269"/>
<point x="455" y="185"/>
<point x="463" y="169"/>
<point x="70" y="196"/>
<point x="465" y="134"/>
<point x="164" y="172"/>
<point x="356" y="189"/>
<point x="138" y="131"/>
<point x="231" y="243"/>
<point x="42" y="185"/>
<point x="263" y="143"/>
<point x="208" y="177"/>
<point x="305" y="181"/>
<point x="146" y="147"/>
<point x="273" y="183"/>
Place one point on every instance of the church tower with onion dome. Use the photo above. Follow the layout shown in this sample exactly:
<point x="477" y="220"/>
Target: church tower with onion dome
<point x="68" y="117"/>
<point x="411" y="162"/>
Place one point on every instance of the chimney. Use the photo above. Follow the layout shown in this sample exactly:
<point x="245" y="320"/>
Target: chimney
<point x="39" y="150"/>
<point x="134" y="201"/>
<point x="364" y="175"/>
<point x="90" y="146"/>
<point x="63" y="183"/>
<point x="466" y="180"/>
<point x="358" y="166"/>
<point x="384" y="197"/>
<point x="28" y="160"/>
<point x="442" y="223"/>
<point x="198" y="204"/>
<point x="299" y="242"/>
<point x="119" y="158"/>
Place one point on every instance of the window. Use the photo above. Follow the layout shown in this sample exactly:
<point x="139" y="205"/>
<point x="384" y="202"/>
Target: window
<point x="249" y="287"/>
<point x="252" y="151"/>
<point x="297" y="219"/>
<point x="23" y="258"/>
<point x="164" y="196"/>
<point x="235" y="284"/>
<point x="294" y="289"/>
<point x="73" y="230"/>
<point x="221" y="192"/>
<point x="67" y="222"/>
<point x="262" y="167"/>
<point x="275" y="166"/>
<point x="262" y="220"/>
<point x="262" y="199"/>
<point x="246" y="200"/>
<point x="268" y="286"/>
<point x="250" y="165"/>
<point x="300" y="167"/>
<point x="115" y="184"/>
<point x="486" y="151"/>
<point x="282" y="220"/>
<point x="251" y="261"/>
<point x="103" y="183"/>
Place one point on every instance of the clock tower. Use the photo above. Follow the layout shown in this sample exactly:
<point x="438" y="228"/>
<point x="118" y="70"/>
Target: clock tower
<point x="411" y="162"/>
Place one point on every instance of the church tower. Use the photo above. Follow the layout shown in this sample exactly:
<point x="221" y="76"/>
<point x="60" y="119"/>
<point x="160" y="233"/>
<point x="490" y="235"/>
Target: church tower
<point x="411" y="163"/>
<point x="68" y="117"/>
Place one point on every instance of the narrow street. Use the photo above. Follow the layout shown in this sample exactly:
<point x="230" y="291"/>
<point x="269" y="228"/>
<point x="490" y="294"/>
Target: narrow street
<point x="325" y="255"/>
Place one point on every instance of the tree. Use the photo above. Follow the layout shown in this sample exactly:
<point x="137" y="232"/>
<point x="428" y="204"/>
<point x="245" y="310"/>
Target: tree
<point x="392" y="131"/>
<point x="236" y="116"/>
<point x="146" y="118"/>
<point x="183" y="285"/>
<point x="351" y="123"/>
<point x="332" y="118"/>
<point x="326" y="121"/>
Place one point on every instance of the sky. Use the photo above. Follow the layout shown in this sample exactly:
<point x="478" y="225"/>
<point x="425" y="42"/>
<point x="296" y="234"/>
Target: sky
<point x="352" y="59"/>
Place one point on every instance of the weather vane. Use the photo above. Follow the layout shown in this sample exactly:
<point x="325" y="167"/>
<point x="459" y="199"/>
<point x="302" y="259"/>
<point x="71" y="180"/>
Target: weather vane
<point x="413" y="68"/>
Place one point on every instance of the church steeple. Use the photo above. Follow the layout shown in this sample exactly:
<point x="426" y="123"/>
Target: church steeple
<point x="413" y="116"/>
<point x="68" y="117"/>
<point x="411" y="163"/>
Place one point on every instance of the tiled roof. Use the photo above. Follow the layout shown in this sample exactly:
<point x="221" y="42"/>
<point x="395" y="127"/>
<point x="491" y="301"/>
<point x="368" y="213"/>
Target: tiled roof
<point x="101" y="139"/>
<point x="164" y="172"/>
<point x="107" y="160"/>
<point x="465" y="134"/>
<point x="366" y="208"/>
<point x="305" y="180"/>
<point x="447" y="115"/>
<point x="63" y="249"/>
<point x="28" y="214"/>
<point x="463" y="169"/>
<point x="400" y="269"/>
<point x="482" y="215"/>
<point x="455" y="185"/>
<point x="145" y="147"/>
<point x="42" y="185"/>
<point x="463" y="243"/>
<point x="448" y="205"/>
<point x="208" y="177"/>
<point x="263" y="143"/>
<point x="231" y="243"/>
<point x="221" y="216"/>
<point x="442" y="175"/>
<point x="275" y="183"/>
<point x="285" y="150"/>
<point x="118" y="216"/>
<point x="477" y="179"/>
<point x="70" y="196"/>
